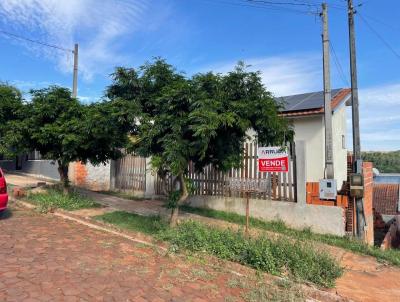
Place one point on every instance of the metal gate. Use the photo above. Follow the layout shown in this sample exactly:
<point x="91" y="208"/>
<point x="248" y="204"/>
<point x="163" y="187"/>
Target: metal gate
<point x="130" y="173"/>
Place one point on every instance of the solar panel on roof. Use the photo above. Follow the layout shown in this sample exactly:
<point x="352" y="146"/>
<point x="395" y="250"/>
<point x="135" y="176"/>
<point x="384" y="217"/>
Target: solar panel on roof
<point x="305" y="101"/>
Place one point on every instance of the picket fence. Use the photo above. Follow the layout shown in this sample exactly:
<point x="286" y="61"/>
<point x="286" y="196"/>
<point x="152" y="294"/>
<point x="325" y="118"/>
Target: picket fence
<point x="212" y="182"/>
<point x="130" y="175"/>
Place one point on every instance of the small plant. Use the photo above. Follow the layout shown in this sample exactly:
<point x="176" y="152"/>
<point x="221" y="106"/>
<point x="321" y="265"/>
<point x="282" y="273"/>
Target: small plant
<point x="54" y="198"/>
<point x="280" y="257"/>
<point x="278" y="226"/>
<point x="272" y="256"/>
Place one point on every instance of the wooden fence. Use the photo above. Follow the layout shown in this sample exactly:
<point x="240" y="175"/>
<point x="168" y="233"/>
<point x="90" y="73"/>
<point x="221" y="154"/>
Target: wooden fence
<point x="215" y="183"/>
<point x="130" y="173"/>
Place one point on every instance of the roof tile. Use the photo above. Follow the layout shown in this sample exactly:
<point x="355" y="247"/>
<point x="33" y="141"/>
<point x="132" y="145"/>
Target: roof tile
<point x="386" y="198"/>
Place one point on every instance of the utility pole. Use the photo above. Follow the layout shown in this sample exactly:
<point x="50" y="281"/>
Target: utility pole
<point x="75" y="76"/>
<point x="329" y="171"/>
<point x="355" y="116"/>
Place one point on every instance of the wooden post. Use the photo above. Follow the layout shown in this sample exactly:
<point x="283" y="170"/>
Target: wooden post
<point x="247" y="212"/>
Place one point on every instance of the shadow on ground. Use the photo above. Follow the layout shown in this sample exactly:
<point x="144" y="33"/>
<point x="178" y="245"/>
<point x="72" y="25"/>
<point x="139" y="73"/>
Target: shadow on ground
<point x="5" y="214"/>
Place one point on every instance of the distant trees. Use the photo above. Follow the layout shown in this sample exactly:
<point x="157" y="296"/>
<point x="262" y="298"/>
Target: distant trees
<point x="203" y="119"/>
<point x="385" y="162"/>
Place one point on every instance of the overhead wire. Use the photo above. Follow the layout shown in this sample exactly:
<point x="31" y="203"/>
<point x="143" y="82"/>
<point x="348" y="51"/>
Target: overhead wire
<point x="338" y="65"/>
<point x="380" y="37"/>
<point x="34" y="41"/>
<point x="246" y="3"/>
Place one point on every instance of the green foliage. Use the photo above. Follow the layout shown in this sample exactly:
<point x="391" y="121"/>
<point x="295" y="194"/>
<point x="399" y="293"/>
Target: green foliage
<point x="273" y="256"/>
<point x="11" y="113"/>
<point x="349" y="243"/>
<point x="190" y="185"/>
<point x="203" y="119"/>
<point x="385" y="162"/>
<point x="54" y="198"/>
<point x="61" y="128"/>
<point x="279" y="257"/>
<point x="173" y="199"/>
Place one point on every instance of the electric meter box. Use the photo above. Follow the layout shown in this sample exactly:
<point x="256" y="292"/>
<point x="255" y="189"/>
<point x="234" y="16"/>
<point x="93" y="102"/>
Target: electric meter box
<point x="356" y="185"/>
<point x="327" y="189"/>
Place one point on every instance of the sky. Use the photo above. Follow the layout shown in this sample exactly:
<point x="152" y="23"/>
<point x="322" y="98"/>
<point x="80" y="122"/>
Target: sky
<point x="282" y="41"/>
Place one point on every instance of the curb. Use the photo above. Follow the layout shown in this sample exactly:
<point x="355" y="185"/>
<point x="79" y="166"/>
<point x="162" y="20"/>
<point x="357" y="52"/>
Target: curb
<point x="89" y="223"/>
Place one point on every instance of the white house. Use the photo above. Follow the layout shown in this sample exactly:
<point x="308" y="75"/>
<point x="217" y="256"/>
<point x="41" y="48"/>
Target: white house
<point x="306" y="112"/>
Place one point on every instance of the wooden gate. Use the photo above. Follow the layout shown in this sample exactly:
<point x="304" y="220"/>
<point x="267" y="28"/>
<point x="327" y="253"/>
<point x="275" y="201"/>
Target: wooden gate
<point x="130" y="173"/>
<point x="213" y="182"/>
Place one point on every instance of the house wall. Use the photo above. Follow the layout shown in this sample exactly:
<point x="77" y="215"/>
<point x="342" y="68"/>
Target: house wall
<point x="46" y="169"/>
<point x="41" y="168"/>
<point x="339" y="151"/>
<point x="310" y="129"/>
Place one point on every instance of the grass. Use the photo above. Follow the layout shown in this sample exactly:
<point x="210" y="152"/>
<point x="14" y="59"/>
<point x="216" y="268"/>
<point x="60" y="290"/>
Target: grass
<point x="147" y="225"/>
<point x="281" y="291"/>
<point x="54" y="198"/>
<point x="348" y="243"/>
<point x="280" y="257"/>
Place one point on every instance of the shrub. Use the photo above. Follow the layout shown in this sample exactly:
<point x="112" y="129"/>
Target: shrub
<point x="273" y="256"/>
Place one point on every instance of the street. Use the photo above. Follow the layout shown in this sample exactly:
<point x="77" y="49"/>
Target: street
<point x="45" y="258"/>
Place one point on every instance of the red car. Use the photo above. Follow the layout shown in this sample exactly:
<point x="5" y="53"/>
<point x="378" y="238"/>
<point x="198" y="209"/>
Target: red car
<point x="3" y="192"/>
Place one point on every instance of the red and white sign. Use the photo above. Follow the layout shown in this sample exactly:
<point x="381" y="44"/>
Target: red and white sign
<point x="273" y="159"/>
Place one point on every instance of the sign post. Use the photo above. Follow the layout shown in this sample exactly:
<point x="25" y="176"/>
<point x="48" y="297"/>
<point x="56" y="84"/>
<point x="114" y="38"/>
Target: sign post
<point x="273" y="159"/>
<point x="248" y="186"/>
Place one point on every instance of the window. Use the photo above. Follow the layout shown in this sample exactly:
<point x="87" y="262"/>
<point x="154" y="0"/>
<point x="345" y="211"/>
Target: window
<point x="343" y="141"/>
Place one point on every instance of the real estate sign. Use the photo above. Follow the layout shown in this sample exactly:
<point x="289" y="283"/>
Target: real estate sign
<point x="273" y="159"/>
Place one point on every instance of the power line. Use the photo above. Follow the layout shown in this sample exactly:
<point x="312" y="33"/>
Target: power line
<point x="339" y="66"/>
<point x="284" y="6"/>
<point x="297" y="3"/>
<point x="259" y="6"/>
<point x="34" y="41"/>
<point x="380" y="37"/>
<point x="395" y="28"/>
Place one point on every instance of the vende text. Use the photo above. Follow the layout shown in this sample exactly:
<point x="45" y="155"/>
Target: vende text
<point x="273" y="165"/>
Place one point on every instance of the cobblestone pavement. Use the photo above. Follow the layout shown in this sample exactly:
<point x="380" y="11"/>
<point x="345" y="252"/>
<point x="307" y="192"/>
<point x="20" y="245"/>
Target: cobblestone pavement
<point x="46" y="258"/>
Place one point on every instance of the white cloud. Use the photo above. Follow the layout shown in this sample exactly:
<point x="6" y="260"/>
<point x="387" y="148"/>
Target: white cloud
<point x="283" y="75"/>
<point x="379" y="117"/>
<point x="95" y="25"/>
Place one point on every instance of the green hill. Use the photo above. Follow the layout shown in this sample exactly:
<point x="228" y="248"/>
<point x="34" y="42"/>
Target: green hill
<point x="385" y="162"/>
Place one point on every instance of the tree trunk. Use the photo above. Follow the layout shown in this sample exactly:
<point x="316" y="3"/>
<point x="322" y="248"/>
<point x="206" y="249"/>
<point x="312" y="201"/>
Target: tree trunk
<point x="182" y="200"/>
<point x="63" y="171"/>
<point x="162" y="174"/>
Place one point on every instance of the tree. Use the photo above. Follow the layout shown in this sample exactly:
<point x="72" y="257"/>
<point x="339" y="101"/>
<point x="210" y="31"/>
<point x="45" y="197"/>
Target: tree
<point x="203" y="119"/>
<point x="64" y="130"/>
<point x="11" y="112"/>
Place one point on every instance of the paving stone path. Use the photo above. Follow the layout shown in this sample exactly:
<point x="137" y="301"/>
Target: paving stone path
<point x="46" y="258"/>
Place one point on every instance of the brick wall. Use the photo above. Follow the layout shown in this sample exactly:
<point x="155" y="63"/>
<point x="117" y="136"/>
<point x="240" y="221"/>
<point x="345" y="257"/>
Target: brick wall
<point x="368" y="202"/>
<point x="312" y="197"/>
<point x="95" y="178"/>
